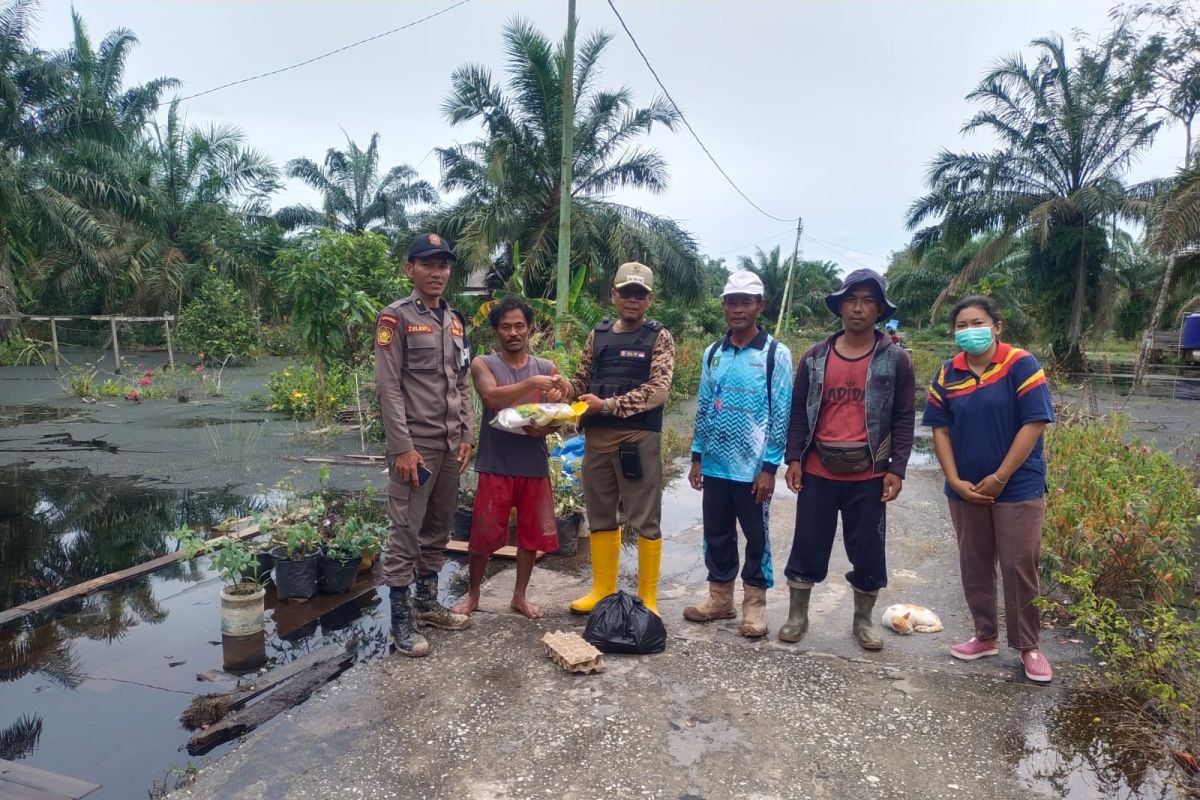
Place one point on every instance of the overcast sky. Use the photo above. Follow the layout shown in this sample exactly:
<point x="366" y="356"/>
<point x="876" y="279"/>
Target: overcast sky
<point x="830" y="111"/>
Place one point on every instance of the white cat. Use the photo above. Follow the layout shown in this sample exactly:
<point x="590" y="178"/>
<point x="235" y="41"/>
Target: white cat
<point x="906" y="618"/>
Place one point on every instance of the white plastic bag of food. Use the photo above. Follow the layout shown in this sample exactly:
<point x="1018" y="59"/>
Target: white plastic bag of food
<point x="543" y="415"/>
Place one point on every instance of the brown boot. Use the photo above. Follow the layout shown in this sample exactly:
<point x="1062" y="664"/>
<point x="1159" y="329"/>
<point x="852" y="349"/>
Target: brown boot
<point x="719" y="604"/>
<point x="754" y="612"/>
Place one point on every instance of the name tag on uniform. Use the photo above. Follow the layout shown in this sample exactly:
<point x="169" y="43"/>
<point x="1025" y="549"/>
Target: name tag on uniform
<point x="411" y="328"/>
<point x="633" y="354"/>
<point x="456" y="327"/>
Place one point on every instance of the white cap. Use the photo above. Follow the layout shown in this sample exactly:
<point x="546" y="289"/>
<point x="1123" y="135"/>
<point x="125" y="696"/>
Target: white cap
<point x="743" y="282"/>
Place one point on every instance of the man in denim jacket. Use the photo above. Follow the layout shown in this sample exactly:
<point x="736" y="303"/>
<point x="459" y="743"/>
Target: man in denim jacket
<point x="849" y="439"/>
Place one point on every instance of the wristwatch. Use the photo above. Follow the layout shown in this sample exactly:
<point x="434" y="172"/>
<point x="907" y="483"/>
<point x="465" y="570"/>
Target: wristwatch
<point x="605" y="408"/>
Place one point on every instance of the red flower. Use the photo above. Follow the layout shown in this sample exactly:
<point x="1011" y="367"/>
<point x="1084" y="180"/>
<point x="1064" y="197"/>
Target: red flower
<point x="144" y="382"/>
<point x="148" y="372"/>
<point x="133" y="395"/>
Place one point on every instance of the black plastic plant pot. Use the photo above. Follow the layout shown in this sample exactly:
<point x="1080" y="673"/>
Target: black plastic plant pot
<point x="568" y="533"/>
<point x="462" y="525"/>
<point x="338" y="574"/>
<point x="296" y="577"/>
<point x="266" y="562"/>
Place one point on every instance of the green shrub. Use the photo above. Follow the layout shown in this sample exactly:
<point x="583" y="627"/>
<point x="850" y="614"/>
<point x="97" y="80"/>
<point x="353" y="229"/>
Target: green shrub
<point x="22" y="351"/>
<point x="689" y="358"/>
<point x="1116" y="549"/>
<point x="216" y="322"/>
<point x="293" y="390"/>
<point x="1121" y="511"/>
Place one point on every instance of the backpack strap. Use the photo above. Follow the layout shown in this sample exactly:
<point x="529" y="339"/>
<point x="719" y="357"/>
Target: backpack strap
<point x="770" y="374"/>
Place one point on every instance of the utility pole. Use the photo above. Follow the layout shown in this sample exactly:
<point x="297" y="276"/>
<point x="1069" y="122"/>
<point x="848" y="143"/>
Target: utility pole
<point x="787" y="287"/>
<point x="564" y="193"/>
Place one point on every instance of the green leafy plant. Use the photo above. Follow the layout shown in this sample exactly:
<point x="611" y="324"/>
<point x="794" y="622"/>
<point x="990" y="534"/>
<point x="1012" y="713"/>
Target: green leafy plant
<point x="80" y="382"/>
<point x="1118" y="509"/>
<point x="301" y="539"/>
<point x="355" y="537"/>
<point x="329" y="311"/>
<point x="218" y="321"/>
<point x="564" y="486"/>
<point x="21" y="350"/>
<point x="232" y="558"/>
<point x="293" y="390"/>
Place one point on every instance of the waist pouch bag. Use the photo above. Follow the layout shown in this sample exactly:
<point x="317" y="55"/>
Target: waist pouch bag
<point x="621" y="623"/>
<point x="630" y="458"/>
<point x="843" y="458"/>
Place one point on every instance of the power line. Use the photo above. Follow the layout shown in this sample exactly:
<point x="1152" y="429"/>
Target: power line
<point x="836" y="253"/>
<point x="326" y="55"/>
<point x="691" y="130"/>
<point x="754" y="244"/>
<point x="847" y="247"/>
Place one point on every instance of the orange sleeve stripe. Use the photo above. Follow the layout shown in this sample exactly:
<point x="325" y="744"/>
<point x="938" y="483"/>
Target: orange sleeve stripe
<point x="1034" y="380"/>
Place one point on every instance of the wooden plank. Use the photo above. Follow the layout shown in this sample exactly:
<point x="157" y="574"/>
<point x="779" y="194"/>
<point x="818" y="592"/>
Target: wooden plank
<point x="51" y="783"/>
<point x="15" y="791"/>
<point x="508" y="551"/>
<point x="243" y="696"/>
<point x="296" y="691"/>
<point x="104" y="581"/>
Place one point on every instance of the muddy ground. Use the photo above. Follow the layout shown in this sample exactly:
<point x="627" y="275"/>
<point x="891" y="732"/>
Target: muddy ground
<point x="487" y="715"/>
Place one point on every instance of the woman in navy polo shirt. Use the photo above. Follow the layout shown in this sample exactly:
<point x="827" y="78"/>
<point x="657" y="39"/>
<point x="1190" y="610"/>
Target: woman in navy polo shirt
<point x="988" y="406"/>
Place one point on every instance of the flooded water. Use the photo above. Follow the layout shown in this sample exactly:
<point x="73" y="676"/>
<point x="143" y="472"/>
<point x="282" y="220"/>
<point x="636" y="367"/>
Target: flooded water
<point x="1073" y="752"/>
<point x="127" y="658"/>
<point x="60" y="527"/>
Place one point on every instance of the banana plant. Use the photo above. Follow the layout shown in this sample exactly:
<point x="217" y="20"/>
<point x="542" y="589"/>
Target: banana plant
<point x="545" y="309"/>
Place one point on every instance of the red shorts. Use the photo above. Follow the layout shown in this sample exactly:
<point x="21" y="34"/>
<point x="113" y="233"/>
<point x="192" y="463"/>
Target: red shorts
<point x="495" y="497"/>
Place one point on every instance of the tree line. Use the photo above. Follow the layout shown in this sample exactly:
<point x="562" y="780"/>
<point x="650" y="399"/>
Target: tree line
<point x="110" y="202"/>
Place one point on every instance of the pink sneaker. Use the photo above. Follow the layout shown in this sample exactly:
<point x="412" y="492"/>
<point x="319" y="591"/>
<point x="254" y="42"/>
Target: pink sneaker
<point x="975" y="648"/>
<point x="1037" y="668"/>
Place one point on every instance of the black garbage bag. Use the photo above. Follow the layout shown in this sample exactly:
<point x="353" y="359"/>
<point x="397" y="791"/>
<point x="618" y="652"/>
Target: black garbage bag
<point x="621" y="623"/>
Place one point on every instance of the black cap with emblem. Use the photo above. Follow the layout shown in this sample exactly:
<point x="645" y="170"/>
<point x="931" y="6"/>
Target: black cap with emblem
<point x="429" y="244"/>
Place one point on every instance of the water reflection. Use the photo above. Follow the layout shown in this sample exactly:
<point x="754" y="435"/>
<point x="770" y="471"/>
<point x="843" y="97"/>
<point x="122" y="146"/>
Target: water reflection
<point x="1086" y="747"/>
<point x="21" y="737"/>
<point x="63" y="526"/>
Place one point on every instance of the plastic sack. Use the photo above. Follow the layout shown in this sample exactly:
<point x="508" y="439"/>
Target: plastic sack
<point x="570" y="453"/>
<point x="621" y="623"/>
<point x="543" y="415"/>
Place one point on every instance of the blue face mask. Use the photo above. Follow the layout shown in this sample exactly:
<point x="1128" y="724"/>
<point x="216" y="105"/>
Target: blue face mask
<point x="974" y="340"/>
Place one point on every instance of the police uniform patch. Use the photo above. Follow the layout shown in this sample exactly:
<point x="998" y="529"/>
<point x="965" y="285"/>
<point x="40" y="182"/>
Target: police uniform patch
<point x="411" y="328"/>
<point x="633" y="354"/>
<point x="383" y="335"/>
<point x="456" y="327"/>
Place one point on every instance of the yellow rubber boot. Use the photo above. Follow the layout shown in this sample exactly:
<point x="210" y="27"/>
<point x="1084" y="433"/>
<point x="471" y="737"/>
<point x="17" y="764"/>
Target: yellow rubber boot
<point x="606" y="553"/>
<point x="649" y="558"/>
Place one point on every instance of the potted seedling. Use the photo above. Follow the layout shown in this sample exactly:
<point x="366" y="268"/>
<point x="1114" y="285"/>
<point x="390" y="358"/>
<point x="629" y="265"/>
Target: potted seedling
<point x="297" y="562"/>
<point x="568" y="506"/>
<point x="344" y="552"/>
<point x="242" y="596"/>
<point x="466" y="504"/>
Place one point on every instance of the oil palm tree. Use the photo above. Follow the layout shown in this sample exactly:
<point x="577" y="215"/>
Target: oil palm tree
<point x="354" y="197"/>
<point x="95" y="104"/>
<point x="509" y="178"/>
<point x="811" y="281"/>
<point x="45" y="203"/>
<point x="199" y="188"/>
<point x="1068" y="134"/>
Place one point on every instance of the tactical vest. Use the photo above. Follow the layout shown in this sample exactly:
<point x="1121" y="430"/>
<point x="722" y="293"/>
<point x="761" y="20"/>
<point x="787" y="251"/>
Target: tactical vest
<point x="621" y="363"/>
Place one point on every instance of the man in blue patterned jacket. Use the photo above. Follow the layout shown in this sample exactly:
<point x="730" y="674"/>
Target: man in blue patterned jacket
<point x="741" y="429"/>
